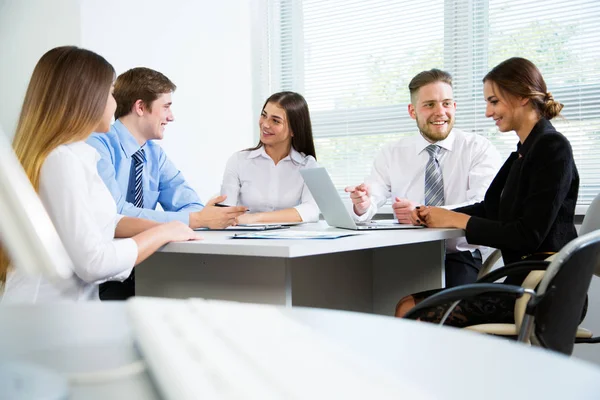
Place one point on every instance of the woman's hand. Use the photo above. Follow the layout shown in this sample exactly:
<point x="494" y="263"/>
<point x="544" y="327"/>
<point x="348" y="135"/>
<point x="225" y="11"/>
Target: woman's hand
<point x="436" y="217"/>
<point x="176" y="231"/>
<point x="415" y="219"/>
<point x="152" y="239"/>
<point x="248" y="218"/>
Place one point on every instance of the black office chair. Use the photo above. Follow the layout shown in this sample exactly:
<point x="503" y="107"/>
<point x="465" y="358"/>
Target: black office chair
<point x="554" y="309"/>
<point x="591" y="222"/>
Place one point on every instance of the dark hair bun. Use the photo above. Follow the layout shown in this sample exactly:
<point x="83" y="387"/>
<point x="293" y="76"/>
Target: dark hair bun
<point x="552" y="107"/>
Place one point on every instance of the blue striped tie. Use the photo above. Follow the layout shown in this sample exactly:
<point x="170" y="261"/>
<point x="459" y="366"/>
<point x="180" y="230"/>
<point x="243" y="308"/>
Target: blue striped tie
<point x="434" y="182"/>
<point x="138" y="162"/>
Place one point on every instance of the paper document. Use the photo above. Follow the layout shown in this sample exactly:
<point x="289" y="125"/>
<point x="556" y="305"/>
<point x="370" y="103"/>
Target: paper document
<point x="293" y="235"/>
<point x="247" y="227"/>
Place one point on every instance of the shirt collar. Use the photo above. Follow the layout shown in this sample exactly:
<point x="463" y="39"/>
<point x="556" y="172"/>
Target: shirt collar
<point x="422" y="143"/>
<point x="294" y="155"/>
<point x="542" y="125"/>
<point x="126" y="139"/>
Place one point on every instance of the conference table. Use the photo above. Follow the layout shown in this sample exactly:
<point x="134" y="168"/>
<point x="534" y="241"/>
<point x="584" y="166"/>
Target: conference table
<point x="367" y="272"/>
<point x="439" y="362"/>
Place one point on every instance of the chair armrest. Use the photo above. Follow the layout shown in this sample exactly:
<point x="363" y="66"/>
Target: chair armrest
<point x="463" y="292"/>
<point x="583" y="333"/>
<point x="518" y="267"/>
<point x="489" y="262"/>
<point x="494" y="329"/>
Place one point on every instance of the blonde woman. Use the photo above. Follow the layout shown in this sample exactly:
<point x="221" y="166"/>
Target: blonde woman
<point x="70" y="96"/>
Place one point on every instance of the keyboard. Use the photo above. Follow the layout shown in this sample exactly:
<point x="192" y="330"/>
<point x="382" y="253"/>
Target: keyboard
<point x="201" y="349"/>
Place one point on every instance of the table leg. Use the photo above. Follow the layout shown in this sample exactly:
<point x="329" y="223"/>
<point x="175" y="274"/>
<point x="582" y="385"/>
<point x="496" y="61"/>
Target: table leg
<point x="401" y="270"/>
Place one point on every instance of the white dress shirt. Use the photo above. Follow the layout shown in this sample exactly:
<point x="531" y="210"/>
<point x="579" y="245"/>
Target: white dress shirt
<point x="469" y="163"/>
<point x="253" y="180"/>
<point x="85" y="217"/>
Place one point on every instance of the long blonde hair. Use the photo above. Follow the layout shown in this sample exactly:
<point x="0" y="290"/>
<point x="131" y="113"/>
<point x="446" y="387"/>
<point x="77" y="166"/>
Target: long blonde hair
<point x="64" y="103"/>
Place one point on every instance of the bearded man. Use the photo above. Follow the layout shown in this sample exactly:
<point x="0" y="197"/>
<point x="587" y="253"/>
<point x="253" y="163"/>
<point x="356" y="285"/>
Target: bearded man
<point x="441" y="166"/>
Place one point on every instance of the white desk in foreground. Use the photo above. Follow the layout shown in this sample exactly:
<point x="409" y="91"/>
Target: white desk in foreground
<point x="445" y="363"/>
<point x="368" y="272"/>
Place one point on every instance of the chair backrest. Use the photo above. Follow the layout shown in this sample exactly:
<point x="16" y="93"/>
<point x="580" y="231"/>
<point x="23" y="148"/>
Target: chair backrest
<point x="591" y="220"/>
<point x="563" y="292"/>
<point x="26" y="230"/>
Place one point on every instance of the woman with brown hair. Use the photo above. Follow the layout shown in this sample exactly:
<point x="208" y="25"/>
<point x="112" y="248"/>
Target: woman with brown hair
<point x="528" y="211"/>
<point x="69" y="96"/>
<point x="266" y="178"/>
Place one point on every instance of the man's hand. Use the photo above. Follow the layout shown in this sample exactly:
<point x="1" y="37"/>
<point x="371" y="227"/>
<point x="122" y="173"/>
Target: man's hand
<point x="216" y="217"/>
<point x="403" y="209"/>
<point x="360" y="197"/>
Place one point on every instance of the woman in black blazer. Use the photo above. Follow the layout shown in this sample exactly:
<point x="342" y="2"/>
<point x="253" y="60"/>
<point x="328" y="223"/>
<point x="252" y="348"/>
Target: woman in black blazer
<point x="529" y="208"/>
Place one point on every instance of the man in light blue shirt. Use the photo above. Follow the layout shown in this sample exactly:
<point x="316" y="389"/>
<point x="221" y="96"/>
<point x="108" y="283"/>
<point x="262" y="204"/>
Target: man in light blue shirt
<point x="137" y="171"/>
<point x="162" y="182"/>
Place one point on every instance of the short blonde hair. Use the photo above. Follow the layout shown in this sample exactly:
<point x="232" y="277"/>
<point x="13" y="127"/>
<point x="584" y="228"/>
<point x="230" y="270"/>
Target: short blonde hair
<point x="425" y="78"/>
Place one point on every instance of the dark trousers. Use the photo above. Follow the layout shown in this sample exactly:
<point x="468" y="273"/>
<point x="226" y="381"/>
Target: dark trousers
<point x="114" y="290"/>
<point x="462" y="267"/>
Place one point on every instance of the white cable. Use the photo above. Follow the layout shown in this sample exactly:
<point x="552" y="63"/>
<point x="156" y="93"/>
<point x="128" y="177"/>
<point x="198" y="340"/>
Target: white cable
<point x="107" y="375"/>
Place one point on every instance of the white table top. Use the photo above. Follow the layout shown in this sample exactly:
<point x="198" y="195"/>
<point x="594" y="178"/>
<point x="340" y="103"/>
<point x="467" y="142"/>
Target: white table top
<point x="220" y="242"/>
<point x="452" y="363"/>
<point x="445" y="363"/>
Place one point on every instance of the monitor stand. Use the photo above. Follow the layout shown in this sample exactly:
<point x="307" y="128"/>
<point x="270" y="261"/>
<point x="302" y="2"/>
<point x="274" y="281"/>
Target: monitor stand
<point x="22" y="380"/>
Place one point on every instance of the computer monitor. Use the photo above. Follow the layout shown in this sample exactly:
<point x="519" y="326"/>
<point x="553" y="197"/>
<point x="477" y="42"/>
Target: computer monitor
<point x="26" y="231"/>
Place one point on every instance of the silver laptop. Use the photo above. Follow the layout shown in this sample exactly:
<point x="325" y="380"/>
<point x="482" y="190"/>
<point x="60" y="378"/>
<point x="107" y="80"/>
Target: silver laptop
<point x="333" y="208"/>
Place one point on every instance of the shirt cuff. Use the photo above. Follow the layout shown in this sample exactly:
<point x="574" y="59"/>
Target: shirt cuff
<point x="127" y="250"/>
<point x="182" y="216"/>
<point x="367" y="216"/>
<point x="119" y="218"/>
<point x="308" y="212"/>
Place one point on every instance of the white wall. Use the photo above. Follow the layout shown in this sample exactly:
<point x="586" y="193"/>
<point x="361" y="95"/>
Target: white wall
<point x="27" y="30"/>
<point x="203" y="46"/>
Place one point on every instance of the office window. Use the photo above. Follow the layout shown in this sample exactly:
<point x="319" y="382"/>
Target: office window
<point x="353" y="59"/>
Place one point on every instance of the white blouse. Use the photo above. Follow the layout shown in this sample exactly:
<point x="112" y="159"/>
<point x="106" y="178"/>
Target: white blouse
<point x="85" y="217"/>
<point x="252" y="179"/>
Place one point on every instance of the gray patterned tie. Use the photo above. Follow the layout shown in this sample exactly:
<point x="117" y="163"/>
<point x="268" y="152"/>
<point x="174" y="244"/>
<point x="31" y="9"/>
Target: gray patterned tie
<point x="434" y="182"/>
<point x="138" y="159"/>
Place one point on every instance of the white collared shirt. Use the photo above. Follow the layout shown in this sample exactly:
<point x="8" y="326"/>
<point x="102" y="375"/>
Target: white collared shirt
<point x="85" y="217"/>
<point x="469" y="163"/>
<point x="253" y="180"/>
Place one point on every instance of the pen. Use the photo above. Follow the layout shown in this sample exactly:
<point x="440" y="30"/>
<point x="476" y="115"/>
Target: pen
<point x="221" y="205"/>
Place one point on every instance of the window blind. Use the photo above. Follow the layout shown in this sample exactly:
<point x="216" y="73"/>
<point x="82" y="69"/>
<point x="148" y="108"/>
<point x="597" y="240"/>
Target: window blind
<point x="353" y="60"/>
